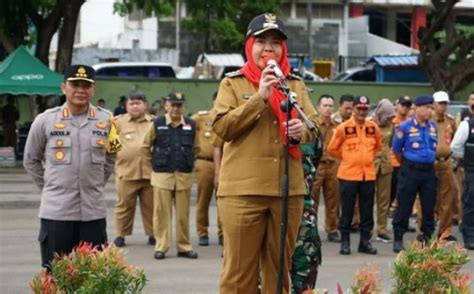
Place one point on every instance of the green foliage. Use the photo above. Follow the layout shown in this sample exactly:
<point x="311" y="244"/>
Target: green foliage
<point x="13" y="20"/>
<point x="225" y="22"/>
<point x="92" y="271"/>
<point x="150" y="7"/>
<point x="431" y="269"/>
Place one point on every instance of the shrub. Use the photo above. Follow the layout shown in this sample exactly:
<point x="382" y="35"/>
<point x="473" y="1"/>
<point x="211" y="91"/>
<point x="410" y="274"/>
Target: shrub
<point x="90" y="270"/>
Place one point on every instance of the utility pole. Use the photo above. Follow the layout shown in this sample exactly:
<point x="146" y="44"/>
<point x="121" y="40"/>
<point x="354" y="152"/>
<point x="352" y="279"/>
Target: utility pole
<point x="178" y="29"/>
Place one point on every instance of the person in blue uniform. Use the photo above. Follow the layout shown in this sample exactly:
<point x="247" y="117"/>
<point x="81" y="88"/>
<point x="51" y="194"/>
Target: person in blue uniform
<point x="414" y="143"/>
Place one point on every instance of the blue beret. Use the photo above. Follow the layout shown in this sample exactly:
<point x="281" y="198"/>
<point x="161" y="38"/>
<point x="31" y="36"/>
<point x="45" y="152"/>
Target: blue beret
<point x="423" y="100"/>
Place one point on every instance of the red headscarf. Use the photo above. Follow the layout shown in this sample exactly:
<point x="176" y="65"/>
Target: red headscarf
<point x="252" y="72"/>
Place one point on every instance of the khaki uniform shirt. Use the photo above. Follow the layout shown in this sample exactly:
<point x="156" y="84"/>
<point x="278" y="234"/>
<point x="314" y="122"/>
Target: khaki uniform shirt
<point x="69" y="163"/>
<point x="383" y="159"/>
<point x="169" y="181"/>
<point x="130" y="164"/>
<point x="446" y="130"/>
<point x="327" y="130"/>
<point x="253" y="155"/>
<point x="205" y="134"/>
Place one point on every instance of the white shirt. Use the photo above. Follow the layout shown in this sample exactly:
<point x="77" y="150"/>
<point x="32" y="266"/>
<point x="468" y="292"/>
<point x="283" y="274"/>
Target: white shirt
<point x="459" y="140"/>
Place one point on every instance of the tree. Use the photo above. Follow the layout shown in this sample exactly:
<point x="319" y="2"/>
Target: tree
<point x="35" y="22"/>
<point x="223" y="23"/>
<point x="448" y="61"/>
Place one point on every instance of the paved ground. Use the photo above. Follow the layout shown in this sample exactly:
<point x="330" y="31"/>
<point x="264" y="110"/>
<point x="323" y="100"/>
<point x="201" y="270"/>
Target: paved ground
<point x="19" y="250"/>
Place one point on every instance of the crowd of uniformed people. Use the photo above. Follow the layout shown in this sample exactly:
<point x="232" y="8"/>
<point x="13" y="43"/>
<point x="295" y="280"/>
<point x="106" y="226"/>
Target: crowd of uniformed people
<point x="407" y="157"/>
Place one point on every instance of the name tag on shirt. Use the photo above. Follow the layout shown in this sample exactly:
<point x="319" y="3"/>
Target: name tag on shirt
<point x="187" y="128"/>
<point x="162" y="127"/>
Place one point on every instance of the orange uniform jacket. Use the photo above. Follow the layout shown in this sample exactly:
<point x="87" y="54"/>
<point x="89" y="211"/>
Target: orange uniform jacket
<point x="356" y="146"/>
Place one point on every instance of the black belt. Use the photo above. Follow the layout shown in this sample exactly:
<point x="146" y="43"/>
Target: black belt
<point x="205" y="158"/>
<point x="420" y="166"/>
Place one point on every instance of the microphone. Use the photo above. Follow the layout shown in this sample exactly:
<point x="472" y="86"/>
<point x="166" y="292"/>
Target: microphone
<point x="270" y="61"/>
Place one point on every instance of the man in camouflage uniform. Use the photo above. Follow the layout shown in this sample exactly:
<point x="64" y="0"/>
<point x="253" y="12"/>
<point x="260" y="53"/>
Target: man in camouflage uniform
<point x="307" y="256"/>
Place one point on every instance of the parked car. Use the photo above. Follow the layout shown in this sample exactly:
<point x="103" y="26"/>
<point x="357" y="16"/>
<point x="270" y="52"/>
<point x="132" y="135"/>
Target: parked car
<point x="356" y="74"/>
<point x="151" y="70"/>
<point x="455" y="107"/>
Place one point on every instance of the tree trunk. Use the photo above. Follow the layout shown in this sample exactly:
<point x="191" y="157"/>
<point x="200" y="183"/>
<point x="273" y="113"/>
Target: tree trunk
<point x="46" y="28"/>
<point x="6" y="43"/>
<point x="67" y="32"/>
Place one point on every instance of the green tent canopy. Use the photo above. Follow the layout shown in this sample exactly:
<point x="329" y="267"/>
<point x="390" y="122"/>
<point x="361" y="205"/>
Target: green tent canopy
<point x="23" y="74"/>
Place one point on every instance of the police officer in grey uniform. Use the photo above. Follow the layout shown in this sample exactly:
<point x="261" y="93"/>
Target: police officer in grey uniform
<point x="70" y="155"/>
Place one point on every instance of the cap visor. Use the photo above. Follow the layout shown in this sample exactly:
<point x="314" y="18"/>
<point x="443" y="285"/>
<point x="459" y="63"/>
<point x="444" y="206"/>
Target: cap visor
<point x="81" y="79"/>
<point x="261" y="31"/>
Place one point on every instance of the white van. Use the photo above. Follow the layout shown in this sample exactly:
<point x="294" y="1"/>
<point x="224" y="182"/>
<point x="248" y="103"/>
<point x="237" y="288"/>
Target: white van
<point x="151" y="70"/>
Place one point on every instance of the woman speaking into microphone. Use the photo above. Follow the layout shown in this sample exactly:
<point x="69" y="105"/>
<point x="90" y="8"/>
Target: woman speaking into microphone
<point x="249" y="119"/>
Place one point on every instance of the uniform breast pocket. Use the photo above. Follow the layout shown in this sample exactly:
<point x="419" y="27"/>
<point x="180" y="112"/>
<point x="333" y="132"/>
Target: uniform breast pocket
<point x="351" y="144"/>
<point x="98" y="151"/>
<point x="415" y="142"/>
<point x="187" y="139"/>
<point x="128" y="135"/>
<point x="60" y="150"/>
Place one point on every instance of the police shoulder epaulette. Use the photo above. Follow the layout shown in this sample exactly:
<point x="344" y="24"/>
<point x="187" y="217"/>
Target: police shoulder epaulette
<point x="51" y="110"/>
<point x="450" y="116"/>
<point x="104" y="110"/>
<point x="233" y="74"/>
<point x="203" y="112"/>
<point x="294" y="77"/>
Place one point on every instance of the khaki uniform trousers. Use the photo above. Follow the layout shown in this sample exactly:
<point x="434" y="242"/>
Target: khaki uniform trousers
<point x="127" y="193"/>
<point x="252" y="232"/>
<point x="327" y="180"/>
<point x="445" y="195"/>
<point x="205" y="190"/>
<point x="383" y="186"/>
<point x="162" y="214"/>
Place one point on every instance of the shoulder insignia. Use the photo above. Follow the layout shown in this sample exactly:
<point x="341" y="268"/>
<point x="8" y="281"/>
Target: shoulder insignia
<point x="203" y="112"/>
<point x="450" y="116"/>
<point x="234" y="74"/>
<point x="292" y="76"/>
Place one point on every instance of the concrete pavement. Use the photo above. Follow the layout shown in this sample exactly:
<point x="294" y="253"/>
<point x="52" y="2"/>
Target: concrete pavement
<point x="20" y="256"/>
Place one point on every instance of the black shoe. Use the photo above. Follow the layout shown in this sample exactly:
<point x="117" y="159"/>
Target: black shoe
<point x="334" y="237"/>
<point x="221" y="240"/>
<point x="398" y="246"/>
<point x="151" y="240"/>
<point x="366" y="247"/>
<point x="119" y="241"/>
<point x="423" y="239"/>
<point x="469" y="245"/>
<point x="204" y="240"/>
<point x="159" y="255"/>
<point x="345" y="246"/>
<point x="384" y="238"/>
<point x="188" y="254"/>
<point x="450" y="238"/>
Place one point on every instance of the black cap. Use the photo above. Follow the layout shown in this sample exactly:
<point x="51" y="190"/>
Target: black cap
<point x="404" y="100"/>
<point x="423" y="100"/>
<point x="265" y="22"/>
<point x="80" y="72"/>
<point x="361" y="101"/>
<point x="136" y="95"/>
<point x="175" y="97"/>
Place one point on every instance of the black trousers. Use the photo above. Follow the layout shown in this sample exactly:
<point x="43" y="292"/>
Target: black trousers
<point x="60" y="237"/>
<point x="349" y="191"/>
<point x="412" y="181"/>
<point x="467" y="226"/>
<point x="394" y="184"/>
